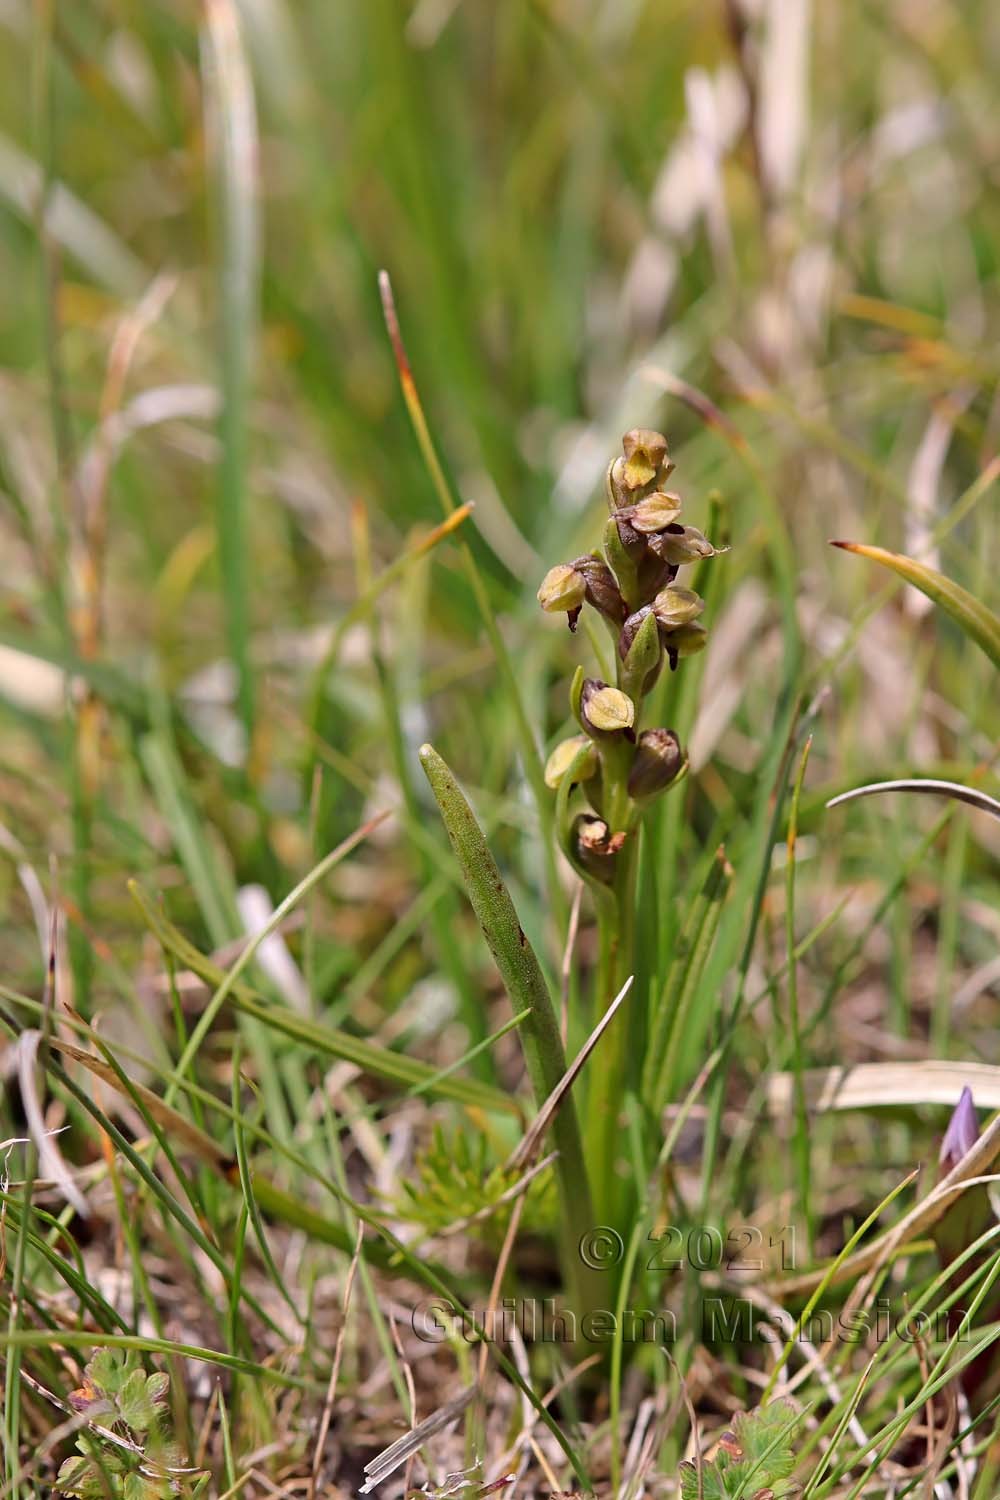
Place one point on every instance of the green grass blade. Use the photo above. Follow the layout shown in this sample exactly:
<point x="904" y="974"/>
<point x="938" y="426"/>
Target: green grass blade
<point x="801" y="1139"/>
<point x="694" y="949"/>
<point x="211" y="883"/>
<point x="327" y="1040"/>
<point x="530" y="754"/>
<point x="979" y="623"/>
<point x="232" y="130"/>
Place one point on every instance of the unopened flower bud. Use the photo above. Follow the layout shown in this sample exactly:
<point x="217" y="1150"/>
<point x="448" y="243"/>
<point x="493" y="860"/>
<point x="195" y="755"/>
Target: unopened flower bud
<point x="605" y="710"/>
<point x="596" y="847"/>
<point x="686" y="640"/>
<point x="675" y="606"/>
<point x="644" y="451"/>
<point x="601" y="588"/>
<point x="615" y="488"/>
<point x="962" y="1133"/>
<point x="641" y="653"/>
<point x="563" y="757"/>
<point x="563" y="589"/>
<point x="654" y="512"/>
<point x="677" y="545"/>
<point x="625" y="537"/>
<point x="658" y="759"/>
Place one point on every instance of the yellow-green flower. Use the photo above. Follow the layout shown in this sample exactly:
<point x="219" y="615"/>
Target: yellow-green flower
<point x="562" y="590"/>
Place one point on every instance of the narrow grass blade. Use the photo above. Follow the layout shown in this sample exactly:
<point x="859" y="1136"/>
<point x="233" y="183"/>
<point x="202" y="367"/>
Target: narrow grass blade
<point x="361" y="607"/>
<point x="913" y="1225"/>
<point x="317" y="874"/>
<point x="528" y="1148"/>
<point x="232" y="131"/>
<point x="827" y="1277"/>
<point x="76" y="1338"/>
<point x="212" y="884"/>
<point x="801" y="1131"/>
<point x="979" y="623"/>
<point x="693" y="950"/>
<point x="327" y="1040"/>
<point x="528" y="745"/>
<point x="248" y="1187"/>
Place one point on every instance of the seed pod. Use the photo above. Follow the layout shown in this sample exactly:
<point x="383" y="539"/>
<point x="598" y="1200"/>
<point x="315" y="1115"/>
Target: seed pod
<point x="677" y="545"/>
<point x="563" y="757"/>
<point x="675" y="606"/>
<point x="645" y="452"/>
<point x="601" y="588"/>
<point x="641" y="653"/>
<point x="654" y="512"/>
<point x="658" y="759"/>
<point x="563" y="589"/>
<point x="595" y="847"/>
<point x="605" y="710"/>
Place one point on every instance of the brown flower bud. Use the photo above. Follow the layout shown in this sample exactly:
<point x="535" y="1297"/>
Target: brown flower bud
<point x="658" y="759"/>
<point x="652" y="574"/>
<point x="633" y="542"/>
<point x="605" y="710"/>
<point x="675" y="606"/>
<point x="644" y="451"/>
<point x="596" y="847"/>
<point x="601" y="588"/>
<point x="563" y="589"/>
<point x="654" y="512"/>
<point x="563" y="757"/>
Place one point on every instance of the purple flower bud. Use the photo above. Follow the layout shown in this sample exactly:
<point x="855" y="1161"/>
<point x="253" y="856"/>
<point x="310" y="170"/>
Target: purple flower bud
<point x="962" y="1133"/>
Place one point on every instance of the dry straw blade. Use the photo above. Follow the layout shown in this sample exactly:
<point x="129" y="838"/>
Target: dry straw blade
<point x="982" y="801"/>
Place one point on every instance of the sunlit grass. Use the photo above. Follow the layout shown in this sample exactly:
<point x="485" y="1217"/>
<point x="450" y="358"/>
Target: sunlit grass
<point x="231" y="616"/>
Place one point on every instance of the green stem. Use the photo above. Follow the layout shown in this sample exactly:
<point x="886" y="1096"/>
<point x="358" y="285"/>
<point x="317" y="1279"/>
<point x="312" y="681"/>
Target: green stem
<point x="616" y="931"/>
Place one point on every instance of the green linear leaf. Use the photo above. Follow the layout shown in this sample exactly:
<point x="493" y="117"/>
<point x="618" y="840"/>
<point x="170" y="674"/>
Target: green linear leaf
<point x="979" y="623"/>
<point x="525" y="984"/>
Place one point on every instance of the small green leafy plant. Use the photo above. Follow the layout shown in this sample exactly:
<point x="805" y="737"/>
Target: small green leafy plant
<point x="752" y="1462"/>
<point x="453" y="1180"/>
<point x="126" y="1450"/>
